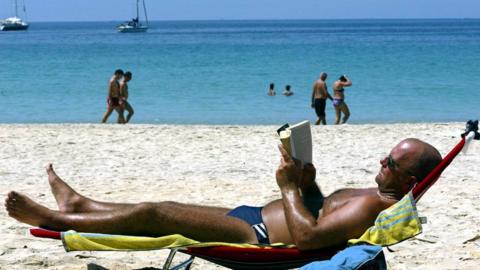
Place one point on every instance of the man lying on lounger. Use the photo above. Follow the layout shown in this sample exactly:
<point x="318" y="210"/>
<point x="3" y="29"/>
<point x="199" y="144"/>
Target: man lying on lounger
<point x="302" y="217"/>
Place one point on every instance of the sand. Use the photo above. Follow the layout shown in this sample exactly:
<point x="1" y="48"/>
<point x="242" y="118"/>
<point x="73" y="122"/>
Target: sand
<point x="226" y="166"/>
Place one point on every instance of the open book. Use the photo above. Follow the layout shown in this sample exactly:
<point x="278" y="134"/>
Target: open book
<point x="297" y="140"/>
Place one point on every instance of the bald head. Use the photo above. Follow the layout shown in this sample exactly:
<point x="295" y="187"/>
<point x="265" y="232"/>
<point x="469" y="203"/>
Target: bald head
<point x="420" y="156"/>
<point x="323" y="76"/>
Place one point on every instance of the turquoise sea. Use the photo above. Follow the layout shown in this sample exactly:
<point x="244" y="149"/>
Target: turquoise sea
<point x="217" y="72"/>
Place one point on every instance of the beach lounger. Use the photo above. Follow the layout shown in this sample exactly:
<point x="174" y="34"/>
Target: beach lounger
<point x="236" y="256"/>
<point x="393" y="225"/>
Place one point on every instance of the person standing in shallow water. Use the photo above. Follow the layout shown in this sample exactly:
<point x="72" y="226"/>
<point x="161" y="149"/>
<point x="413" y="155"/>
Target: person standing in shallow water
<point x="271" y="90"/>
<point x="339" y="99"/>
<point x="319" y="98"/>
<point x="113" y="97"/>
<point x="125" y="105"/>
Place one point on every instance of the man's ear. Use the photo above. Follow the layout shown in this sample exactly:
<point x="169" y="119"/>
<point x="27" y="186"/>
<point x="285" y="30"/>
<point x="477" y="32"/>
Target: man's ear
<point x="412" y="181"/>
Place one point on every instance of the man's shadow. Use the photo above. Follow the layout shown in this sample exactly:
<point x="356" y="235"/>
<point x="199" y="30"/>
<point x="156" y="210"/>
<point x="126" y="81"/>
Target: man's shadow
<point x="93" y="266"/>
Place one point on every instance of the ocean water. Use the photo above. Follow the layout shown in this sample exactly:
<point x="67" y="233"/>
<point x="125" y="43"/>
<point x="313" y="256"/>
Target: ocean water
<point x="218" y="72"/>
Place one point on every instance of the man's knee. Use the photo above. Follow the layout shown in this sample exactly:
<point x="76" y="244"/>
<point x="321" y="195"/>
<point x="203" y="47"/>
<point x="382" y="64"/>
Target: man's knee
<point x="154" y="208"/>
<point x="144" y="206"/>
<point x="146" y="210"/>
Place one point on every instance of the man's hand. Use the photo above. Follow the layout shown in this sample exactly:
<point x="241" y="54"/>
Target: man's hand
<point x="308" y="176"/>
<point x="289" y="173"/>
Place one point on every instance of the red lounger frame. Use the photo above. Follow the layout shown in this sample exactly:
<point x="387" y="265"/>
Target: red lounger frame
<point x="240" y="258"/>
<point x="264" y="258"/>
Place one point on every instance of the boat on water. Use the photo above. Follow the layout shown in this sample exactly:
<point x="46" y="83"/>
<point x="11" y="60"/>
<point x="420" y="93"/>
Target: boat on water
<point x="14" y="23"/>
<point x="135" y="26"/>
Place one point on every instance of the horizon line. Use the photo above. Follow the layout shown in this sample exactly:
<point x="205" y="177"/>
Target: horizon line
<point x="286" y="19"/>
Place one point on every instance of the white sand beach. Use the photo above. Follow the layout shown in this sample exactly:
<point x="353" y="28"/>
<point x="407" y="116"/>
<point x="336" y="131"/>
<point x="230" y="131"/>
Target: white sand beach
<point x="225" y="166"/>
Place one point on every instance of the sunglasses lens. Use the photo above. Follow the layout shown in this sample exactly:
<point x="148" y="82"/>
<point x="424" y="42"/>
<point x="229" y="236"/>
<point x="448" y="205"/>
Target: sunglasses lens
<point x="390" y="162"/>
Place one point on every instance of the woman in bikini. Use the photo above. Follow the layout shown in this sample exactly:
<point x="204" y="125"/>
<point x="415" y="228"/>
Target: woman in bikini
<point x="339" y="99"/>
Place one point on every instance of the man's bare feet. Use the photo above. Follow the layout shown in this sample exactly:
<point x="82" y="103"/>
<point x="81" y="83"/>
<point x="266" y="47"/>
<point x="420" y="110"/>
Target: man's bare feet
<point x="68" y="200"/>
<point x="25" y="210"/>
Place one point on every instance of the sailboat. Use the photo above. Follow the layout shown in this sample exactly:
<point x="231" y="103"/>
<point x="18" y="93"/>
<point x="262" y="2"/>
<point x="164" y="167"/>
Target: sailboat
<point x="135" y="26"/>
<point x="14" y="23"/>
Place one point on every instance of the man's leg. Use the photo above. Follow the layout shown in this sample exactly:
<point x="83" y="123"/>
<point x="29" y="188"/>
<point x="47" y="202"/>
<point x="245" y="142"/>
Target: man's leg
<point x="70" y="201"/>
<point x="130" y="111"/>
<point x="323" y="120"/>
<point x="318" y="112"/>
<point x="107" y="114"/>
<point x="147" y="219"/>
<point x="121" y="118"/>
<point x="322" y="115"/>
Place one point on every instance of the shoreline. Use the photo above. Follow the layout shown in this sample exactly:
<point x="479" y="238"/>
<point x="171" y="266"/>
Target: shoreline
<point x="225" y="165"/>
<point x="312" y="121"/>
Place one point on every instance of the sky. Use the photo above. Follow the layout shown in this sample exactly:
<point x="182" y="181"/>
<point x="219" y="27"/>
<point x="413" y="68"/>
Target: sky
<point x="119" y="10"/>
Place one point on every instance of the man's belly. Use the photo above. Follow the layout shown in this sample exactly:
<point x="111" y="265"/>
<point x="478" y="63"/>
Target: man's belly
<point x="273" y="214"/>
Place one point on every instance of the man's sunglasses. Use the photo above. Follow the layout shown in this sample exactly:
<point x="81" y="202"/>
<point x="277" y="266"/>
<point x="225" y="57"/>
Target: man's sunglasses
<point x="392" y="165"/>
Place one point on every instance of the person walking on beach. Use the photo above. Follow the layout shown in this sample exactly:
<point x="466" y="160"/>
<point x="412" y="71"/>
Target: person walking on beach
<point x="319" y="98"/>
<point x="287" y="92"/>
<point x="271" y="90"/>
<point x="125" y="105"/>
<point x="339" y="99"/>
<point x="113" y="97"/>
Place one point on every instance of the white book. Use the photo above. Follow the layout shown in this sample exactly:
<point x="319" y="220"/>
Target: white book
<point x="297" y="140"/>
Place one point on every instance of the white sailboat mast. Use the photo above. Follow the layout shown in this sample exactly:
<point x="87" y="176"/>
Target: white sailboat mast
<point x="145" y="10"/>
<point x="16" y="9"/>
<point x="137" y="9"/>
<point x="24" y="11"/>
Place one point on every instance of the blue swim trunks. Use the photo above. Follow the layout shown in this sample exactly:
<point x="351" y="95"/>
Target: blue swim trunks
<point x="253" y="216"/>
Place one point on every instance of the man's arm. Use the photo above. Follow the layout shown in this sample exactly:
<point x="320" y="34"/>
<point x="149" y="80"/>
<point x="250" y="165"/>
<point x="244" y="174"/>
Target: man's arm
<point x="312" y="196"/>
<point x="346" y="222"/>
<point x="325" y="91"/>
<point x="123" y="91"/>
<point x="313" y="95"/>
<point x="328" y="94"/>
<point x="110" y="88"/>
